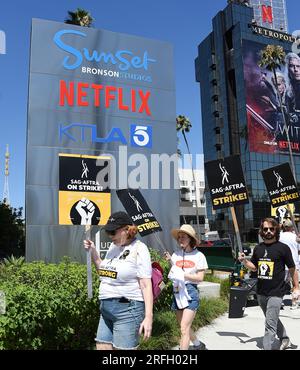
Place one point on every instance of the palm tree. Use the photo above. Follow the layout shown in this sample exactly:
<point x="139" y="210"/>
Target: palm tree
<point x="179" y="153"/>
<point x="80" y="17"/>
<point x="184" y="125"/>
<point x="240" y="2"/>
<point x="272" y="58"/>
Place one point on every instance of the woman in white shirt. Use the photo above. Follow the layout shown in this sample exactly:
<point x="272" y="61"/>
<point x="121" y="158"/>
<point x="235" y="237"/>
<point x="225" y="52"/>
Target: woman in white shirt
<point x="188" y="269"/>
<point x="125" y="293"/>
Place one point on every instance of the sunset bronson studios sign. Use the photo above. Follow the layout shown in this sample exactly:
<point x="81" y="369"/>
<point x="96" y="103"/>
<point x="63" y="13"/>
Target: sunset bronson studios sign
<point x="94" y="93"/>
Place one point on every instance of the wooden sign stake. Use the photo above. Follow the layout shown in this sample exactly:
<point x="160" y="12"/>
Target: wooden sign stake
<point x="89" y="264"/>
<point x="236" y="228"/>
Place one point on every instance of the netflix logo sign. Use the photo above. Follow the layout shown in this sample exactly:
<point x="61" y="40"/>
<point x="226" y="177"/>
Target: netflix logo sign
<point x="267" y="13"/>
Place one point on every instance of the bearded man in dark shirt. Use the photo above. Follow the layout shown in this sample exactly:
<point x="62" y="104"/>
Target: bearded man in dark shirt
<point x="269" y="260"/>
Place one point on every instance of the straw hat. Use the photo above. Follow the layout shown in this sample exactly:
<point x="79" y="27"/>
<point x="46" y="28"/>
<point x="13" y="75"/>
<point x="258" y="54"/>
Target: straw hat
<point x="187" y="229"/>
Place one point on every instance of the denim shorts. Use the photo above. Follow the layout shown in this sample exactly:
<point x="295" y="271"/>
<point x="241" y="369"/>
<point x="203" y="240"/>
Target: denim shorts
<point x="120" y="322"/>
<point x="194" y="302"/>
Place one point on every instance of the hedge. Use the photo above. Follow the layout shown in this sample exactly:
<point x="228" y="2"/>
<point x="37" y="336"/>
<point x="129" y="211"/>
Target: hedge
<point x="47" y="307"/>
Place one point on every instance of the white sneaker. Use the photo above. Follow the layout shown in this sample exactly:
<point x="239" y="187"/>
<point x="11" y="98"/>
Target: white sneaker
<point x="285" y="343"/>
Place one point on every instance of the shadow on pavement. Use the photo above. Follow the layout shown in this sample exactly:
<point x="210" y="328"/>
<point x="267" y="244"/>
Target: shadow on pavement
<point x="258" y="340"/>
<point x="240" y="336"/>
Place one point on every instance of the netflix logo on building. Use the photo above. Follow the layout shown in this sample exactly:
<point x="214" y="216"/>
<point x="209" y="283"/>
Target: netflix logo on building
<point x="267" y="13"/>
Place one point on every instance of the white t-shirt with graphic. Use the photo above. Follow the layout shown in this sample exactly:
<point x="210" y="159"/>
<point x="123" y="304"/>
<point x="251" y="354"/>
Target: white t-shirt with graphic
<point x="290" y="239"/>
<point x="121" y="268"/>
<point x="190" y="262"/>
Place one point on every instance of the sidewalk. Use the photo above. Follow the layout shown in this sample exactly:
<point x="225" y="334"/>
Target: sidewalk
<point x="247" y="332"/>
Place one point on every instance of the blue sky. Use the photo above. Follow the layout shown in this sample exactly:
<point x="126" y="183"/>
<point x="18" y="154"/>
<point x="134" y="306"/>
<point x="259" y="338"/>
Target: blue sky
<point x="183" y="24"/>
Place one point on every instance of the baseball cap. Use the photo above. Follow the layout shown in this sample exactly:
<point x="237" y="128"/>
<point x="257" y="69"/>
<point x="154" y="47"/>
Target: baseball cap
<point x="117" y="220"/>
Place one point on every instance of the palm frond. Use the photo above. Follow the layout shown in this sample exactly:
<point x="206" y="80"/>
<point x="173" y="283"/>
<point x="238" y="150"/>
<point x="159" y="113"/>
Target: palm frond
<point x="80" y="17"/>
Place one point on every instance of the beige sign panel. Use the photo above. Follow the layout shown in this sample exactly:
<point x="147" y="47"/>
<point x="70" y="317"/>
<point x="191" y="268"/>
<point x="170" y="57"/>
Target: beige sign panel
<point x="282" y="212"/>
<point x="73" y="208"/>
<point x="83" y="198"/>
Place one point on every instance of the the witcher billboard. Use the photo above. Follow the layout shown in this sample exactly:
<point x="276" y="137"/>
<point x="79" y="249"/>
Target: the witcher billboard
<point x="266" y="131"/>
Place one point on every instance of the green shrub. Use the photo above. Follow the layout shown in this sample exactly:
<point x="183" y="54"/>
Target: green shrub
<point x="47" y="307"/>
<point x="12" y="260"/>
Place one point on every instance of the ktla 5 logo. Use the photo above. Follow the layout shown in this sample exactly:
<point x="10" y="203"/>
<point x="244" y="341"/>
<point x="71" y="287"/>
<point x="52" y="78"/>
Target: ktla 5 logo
<point x="140" y="136"/>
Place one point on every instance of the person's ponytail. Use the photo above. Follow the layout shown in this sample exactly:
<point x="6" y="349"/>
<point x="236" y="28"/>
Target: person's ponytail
<point x="132" y="231"/>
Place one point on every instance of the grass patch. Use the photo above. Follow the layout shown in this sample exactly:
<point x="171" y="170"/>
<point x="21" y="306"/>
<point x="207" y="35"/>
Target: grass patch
<point x="166" y="333"/>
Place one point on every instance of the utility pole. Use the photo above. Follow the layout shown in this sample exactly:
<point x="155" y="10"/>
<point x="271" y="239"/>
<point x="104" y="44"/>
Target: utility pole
<point x="6" y="199"/>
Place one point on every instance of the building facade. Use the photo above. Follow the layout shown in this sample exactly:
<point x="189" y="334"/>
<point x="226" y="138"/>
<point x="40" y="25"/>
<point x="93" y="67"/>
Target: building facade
<point x="240" y="112"/>
<point x="192" y="196"/>
<point x="270" y="14"/>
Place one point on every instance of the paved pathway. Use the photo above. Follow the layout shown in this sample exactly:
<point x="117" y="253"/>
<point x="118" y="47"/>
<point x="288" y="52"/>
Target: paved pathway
<point x="246" y="333"/>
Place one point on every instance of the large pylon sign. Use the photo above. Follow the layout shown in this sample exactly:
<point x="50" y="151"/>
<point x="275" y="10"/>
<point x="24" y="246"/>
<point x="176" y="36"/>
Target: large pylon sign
<point x="94" y="93"/>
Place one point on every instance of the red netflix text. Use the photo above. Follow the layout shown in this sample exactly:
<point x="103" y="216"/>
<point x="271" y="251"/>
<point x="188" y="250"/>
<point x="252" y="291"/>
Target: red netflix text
<point x="285" y="145"/>
<point x="78" y="94"/>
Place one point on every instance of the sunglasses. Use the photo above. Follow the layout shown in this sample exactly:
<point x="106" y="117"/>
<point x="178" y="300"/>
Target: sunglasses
<point x="265" y="229"/>
<point x="111" y="233"/>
